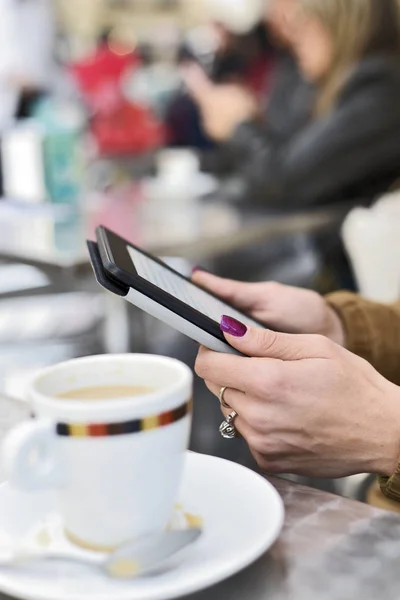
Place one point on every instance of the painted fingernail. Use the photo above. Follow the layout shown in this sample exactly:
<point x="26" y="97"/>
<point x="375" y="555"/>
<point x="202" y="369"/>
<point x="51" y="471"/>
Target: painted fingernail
<point x="196" y="268"/>
<point x="233" y="327"/>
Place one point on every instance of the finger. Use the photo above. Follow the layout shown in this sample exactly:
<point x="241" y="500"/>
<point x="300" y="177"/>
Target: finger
<point x="258" y="377"/>
<point x="273" y="465"/>
<point x="251" y="422"/>
<point x="197" y="82"/>
<point x="258" y="342"/>
<point x="241" y="427"/>
<point x="234" y="399"/>
<point x="256" y="413"/>
<point x="235" y="292"/>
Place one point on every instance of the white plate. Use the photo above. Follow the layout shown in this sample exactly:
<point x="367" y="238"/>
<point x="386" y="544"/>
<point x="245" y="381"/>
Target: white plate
<point x="242" y="514"/>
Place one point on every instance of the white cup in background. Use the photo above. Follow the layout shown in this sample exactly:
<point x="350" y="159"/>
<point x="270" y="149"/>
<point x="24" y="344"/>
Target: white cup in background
<point x="178" y="165"/>
<point x="117" y="463"/>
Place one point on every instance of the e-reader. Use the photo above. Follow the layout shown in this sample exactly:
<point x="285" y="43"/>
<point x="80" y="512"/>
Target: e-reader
<point x="154" y="287"/>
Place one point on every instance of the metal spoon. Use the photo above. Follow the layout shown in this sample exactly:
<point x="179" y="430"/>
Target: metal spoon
<point x="134" y="559"/>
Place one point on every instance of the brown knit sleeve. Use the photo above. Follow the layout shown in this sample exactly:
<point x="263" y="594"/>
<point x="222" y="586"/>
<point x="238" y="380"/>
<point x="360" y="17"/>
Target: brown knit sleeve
<point x="372" y="331"/>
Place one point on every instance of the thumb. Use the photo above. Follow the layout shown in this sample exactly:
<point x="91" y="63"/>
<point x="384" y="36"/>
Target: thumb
<point x="233" y="292"/>
<point x="264" y="343"/>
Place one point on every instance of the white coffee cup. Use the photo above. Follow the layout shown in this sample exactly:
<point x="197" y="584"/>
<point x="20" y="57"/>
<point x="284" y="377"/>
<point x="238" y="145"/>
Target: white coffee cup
<point x="117" y="463"/>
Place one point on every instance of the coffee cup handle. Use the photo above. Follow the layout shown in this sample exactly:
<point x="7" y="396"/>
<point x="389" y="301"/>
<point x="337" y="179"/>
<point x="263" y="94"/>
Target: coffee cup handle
<point x="30" y="456"/>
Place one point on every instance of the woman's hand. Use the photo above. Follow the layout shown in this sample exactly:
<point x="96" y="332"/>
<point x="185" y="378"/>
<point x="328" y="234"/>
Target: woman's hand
<point x="223" y="107"/>
<point x="306" y="405"/>
<point x="279" y="306"/>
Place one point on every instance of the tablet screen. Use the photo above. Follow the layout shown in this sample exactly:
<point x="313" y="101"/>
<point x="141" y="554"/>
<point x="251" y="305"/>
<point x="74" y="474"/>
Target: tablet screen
<point x="183" y="290"/>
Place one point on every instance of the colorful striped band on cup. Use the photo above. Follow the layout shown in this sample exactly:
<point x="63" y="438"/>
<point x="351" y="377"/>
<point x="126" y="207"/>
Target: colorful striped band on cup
<point x="83" y="430"/>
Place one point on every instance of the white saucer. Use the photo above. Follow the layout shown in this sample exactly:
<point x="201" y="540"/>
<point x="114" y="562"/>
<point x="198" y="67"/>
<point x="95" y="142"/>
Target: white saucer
<point x="242" y="517"/>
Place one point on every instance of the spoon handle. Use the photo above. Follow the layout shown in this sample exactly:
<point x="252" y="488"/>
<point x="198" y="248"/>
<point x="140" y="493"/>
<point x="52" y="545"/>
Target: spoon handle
<point x="19" y="558"/>
<point x="149" y="553"/>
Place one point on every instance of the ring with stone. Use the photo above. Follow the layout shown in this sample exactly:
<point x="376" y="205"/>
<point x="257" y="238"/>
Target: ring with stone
<point x="227" y="428"/>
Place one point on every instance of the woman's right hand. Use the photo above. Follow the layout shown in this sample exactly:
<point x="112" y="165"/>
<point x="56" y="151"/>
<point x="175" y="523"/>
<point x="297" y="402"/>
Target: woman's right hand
<point x="282" y="307"/>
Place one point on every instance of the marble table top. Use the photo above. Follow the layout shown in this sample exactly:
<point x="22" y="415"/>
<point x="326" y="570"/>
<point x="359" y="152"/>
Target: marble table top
<point x="331" y="548"/>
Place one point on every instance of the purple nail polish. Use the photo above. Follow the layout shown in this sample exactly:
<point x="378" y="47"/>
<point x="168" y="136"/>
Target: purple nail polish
<point x="233" y="327"/>
<point x="197" y="269"/>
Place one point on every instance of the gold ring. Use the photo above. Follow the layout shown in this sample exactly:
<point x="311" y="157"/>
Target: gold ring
<point x="221" y="397"/>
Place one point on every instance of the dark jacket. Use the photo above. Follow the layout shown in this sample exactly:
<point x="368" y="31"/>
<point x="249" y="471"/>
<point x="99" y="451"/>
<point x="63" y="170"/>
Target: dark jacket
<point x="354" y="152"/>
<point x="290" y="100"/>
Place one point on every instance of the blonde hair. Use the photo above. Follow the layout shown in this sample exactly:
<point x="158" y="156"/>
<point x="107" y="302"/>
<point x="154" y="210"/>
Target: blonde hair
<point x="358" y="28"/>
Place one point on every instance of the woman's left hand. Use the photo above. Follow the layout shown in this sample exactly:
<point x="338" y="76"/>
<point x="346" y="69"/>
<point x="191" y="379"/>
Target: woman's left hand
<point x="223" y="107"/>
<point x="305" y="405"/>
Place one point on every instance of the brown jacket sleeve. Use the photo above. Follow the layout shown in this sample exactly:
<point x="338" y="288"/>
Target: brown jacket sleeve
<point x="372" y="331"/>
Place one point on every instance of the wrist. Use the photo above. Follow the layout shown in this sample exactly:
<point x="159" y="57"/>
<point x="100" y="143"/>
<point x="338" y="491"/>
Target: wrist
<point x="388" y="448"/>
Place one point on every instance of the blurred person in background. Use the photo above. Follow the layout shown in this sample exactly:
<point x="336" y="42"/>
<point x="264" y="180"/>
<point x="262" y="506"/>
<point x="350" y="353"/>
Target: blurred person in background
<point x="246" y="59"/>
<point x="324" y="402"/>
<point x="260" y="61"/>
<point x="286" y="98"/>
<point x="286" y="103"/>
<point x="27" y="50"/>
<point x="350" y="148"/>
<point x="242" y="54"/>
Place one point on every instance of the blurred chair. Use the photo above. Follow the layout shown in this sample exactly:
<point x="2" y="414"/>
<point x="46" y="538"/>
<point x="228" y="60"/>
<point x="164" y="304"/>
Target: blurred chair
<point x="372" y="241"/>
